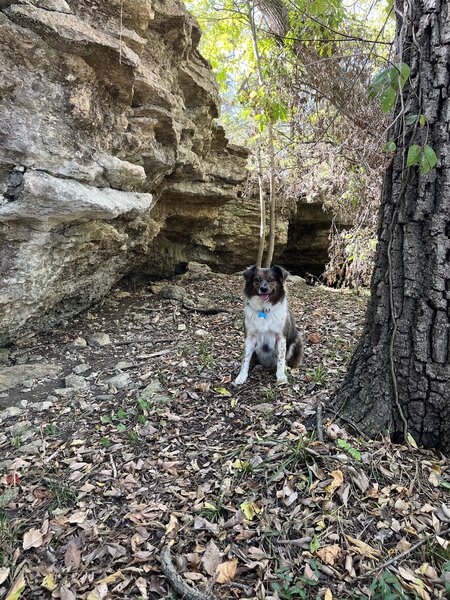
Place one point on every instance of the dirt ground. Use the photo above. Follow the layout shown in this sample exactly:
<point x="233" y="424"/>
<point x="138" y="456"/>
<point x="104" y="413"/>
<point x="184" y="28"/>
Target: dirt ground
<point x="123" y="435"/>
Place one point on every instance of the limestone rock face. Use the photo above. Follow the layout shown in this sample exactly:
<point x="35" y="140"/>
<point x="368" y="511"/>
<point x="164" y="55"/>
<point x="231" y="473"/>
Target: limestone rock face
<point x="107" y="139"/>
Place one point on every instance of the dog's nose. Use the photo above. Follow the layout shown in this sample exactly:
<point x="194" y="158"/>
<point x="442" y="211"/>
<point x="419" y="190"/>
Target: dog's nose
<point x="263" y="288"/>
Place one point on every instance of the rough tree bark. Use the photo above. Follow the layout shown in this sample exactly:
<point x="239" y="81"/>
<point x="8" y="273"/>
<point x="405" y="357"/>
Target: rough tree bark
<point x="400" y="372"/>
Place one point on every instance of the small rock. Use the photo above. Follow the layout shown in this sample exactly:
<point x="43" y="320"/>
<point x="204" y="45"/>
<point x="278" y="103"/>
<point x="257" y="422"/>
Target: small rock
<point x="296" y="279"/>
<point x="31" y="448"/>
<point x="120" y="381"/>
<point x="201" y="332"/>
<point x="181" y="327"/>
<point x="75" y="381"/>
<point x="197" y="268"/>
<point x="105" y="397"/>
<point x="123" y="364"/>
<point x="173" y="292"/>
<point x="4" y="354"/>
<point x="99" y="340"/>
<point x="28" y="383"/>
<point x="78" y="369"/>
<point x="11" y="411"/>
<point x="42" y="406"/>
<point x="65" y="392"/>
<point x="17" y="428"/>
<point x="12" y="376"/>
<point x="78" y="342"/>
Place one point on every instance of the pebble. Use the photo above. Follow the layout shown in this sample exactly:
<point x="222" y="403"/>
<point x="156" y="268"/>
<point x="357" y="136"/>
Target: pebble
<point x="11" y="411"/>
<point x="81" y="369"/>
<point x="99" y="340"/>
<point x="123" y="364"/>
<point x="120" y="381"/>
<point x="79" y="342"/>
<point x="42" y="406"/>
<point x="28" y="383"/>
<point x="75" y="381"/>
<point x="31" y="448"/>
<point x="17" y="428"/>
<point x="4" y="354"/>
<point x="65" y="392"/>
<point x="201" y="332"/>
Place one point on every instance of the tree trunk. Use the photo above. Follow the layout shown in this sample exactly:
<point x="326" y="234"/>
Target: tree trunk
<point x="262" y="210"/>
<point x="270" y="145"/>
<point x="272" y="198"/>
<point x="399" y="376"/>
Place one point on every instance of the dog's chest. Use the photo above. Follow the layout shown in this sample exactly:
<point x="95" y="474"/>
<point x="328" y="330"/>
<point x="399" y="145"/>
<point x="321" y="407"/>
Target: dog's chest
<point x="261" y="320"/>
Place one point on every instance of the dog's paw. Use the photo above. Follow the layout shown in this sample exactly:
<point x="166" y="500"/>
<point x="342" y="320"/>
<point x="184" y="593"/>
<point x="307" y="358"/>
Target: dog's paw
<point x="240" y="379"/>
<point x="282" y="379"/>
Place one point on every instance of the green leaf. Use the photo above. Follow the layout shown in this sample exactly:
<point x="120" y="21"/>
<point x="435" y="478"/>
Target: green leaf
<point x="445" y="485"/>
<point x="121" y="427"/>
<point x="250" y="509"/>
<point x="314" y="544"/>
<point x="399" y="76"/>
<point x="379" y="82"/>
<point x="423" y="120"/>
<point x="428" y="159"/>
<point x="390" y="147"/>
<point x="387" y="99"/>
<point x="413" y="156"/>
<point x="411" y="119"/>
<point x="222" y="391"/>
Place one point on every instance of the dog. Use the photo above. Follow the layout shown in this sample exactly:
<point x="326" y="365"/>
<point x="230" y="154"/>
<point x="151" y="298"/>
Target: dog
<point x="271" y="336"/>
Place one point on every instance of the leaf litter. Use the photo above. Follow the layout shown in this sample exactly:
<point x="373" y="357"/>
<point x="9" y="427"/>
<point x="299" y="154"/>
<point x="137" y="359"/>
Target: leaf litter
<point x="153" y="447"/>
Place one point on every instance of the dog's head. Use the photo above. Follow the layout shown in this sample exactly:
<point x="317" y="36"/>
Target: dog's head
<point x="268" y="284"/>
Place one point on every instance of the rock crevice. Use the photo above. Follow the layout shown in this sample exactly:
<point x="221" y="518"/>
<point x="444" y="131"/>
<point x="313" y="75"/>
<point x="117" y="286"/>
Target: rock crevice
<point x="107" y="138"/>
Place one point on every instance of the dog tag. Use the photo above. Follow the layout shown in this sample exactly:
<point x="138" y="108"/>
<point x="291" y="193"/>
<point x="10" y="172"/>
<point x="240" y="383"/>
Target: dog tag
<point x="262" y="315"/>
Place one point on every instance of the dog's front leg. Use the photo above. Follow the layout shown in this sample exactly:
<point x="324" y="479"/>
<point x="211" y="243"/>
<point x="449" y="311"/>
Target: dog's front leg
<point x="249" y="348"/>
<point x="281" y="359"/>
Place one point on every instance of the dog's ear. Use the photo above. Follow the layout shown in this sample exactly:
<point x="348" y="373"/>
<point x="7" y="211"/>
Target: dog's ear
<point x="250" y="273"/>
<point x="280" y="272"/>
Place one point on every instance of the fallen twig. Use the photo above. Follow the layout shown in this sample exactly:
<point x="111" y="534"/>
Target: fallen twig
<point x="177" y="582"/>
<point x="319" y="425"/>
<point x="394" y="559"/>
<point x="143" y="341"/>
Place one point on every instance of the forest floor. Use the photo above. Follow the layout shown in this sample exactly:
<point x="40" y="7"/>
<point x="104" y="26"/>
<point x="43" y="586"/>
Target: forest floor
<point x="122" y="435"/>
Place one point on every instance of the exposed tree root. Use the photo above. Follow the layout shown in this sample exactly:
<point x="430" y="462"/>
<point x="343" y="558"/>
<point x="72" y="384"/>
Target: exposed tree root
<point x="177" y="582"/>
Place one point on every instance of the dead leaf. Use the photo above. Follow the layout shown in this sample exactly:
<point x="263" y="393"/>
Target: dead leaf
<point x="211" y="558"/>
<point x="66" y="593"/>
<point x="226" y="571"/>
<point x="329" y="554"/>
<point x="328" y="594"/>
<point x="338" y="479"/>
<point x="314" y="338"/>
<point x="172" y="527"/>
<point x="4" y="574"/>
<point x="364" y="548"/>
<point x="111" y="578"/>
<point x="17" y="587"/>
<point x="32" y="538"/>
<point x="49" y="582"/>
<point x="141" y="585"/>
<point x="72" y="556"/>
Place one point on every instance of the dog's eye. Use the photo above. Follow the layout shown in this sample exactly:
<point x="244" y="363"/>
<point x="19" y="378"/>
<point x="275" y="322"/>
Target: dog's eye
<point x="270" y="280"/>
<point x="257" y="280"/>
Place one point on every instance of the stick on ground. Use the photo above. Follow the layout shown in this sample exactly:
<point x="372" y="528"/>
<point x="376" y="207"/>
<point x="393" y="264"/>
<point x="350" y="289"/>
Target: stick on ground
<point x="177" y="582"/>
